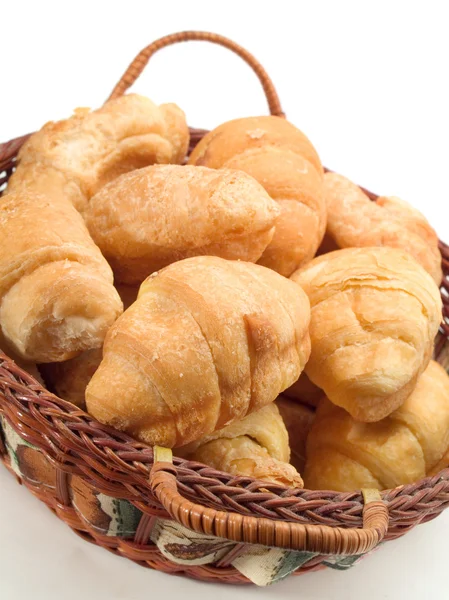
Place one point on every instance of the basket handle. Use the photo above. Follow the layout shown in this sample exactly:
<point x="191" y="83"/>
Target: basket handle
<point x="257" y="530"/>
<point x="139" y="63"/>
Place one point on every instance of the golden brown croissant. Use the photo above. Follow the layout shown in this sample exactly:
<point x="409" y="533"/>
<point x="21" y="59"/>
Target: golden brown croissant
<point x="284" y="161"/>
<point x="305" y="391"/>
<point x="207" y="342"/>
<point x="69" y="379"/>
<point x="151" y="217"/>
<point x="375" y="314"/>
<point x="298" y="419"/>
<point x="355" y="221"/>
<point x="345" y="455"/>
<point x="56" y="291"/>
<point x="74" y="158"/>
<point x="256" y="446"/>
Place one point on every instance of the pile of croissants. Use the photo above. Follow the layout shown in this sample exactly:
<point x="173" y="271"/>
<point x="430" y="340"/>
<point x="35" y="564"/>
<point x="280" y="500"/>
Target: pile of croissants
<point x="247" y="309"/>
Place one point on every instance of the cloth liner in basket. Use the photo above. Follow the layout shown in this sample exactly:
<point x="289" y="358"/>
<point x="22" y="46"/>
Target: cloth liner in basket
<point x="183" y="517"/>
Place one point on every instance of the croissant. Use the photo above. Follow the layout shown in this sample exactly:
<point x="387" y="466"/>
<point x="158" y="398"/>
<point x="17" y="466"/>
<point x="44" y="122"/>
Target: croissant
<point x="207" y="342"/>
<point x="375" y="314"/>
<point x="284" y="161"/>
<point x="256" y="446"/>
<point x="69" y="379"/>
<point x="298" y="419"/>
<point x="355" y="221"/>
<point x="56" y="292"/>
<point x="345" y="455"/>
<point x="74" y="158"/>
<point x="151" y="217"/>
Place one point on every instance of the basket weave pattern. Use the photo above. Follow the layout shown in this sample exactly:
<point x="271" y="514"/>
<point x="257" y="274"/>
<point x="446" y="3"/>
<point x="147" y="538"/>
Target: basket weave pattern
<point x="116" y="465"/>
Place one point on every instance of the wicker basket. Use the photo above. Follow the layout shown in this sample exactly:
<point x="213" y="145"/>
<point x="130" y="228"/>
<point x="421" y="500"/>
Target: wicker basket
<point x="74" y="447"/>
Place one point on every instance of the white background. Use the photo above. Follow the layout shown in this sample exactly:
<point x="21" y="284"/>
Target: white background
<point x="367" y="82"/>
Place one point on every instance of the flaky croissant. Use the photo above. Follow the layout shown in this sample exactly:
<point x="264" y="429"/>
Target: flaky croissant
<point x="56" y="292"/>
<point x="76" y="157"/>
<point x="207" y="342"/>
<point x="375" y="314"/>
<point x="284" y="161"/>
<point x="355" y="221"/>
<point x="256" y="446"/>
<point x="345" y="455"/>
<point x="151" y="217"/>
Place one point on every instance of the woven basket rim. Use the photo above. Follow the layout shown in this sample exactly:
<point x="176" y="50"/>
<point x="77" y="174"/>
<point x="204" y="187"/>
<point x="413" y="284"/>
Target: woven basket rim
<point x="130" y="451"/>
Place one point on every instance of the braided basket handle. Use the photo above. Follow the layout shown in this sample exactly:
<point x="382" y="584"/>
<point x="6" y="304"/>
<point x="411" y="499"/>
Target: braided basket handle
<point x="257" y="530"/>
<point x="139" y="63"/>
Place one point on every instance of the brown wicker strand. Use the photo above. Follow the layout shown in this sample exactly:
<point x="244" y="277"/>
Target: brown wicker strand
<point x="139" y="63"/>
<point x="108" y="462"/>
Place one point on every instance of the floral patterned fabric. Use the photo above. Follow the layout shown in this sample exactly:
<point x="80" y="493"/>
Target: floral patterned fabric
<point x="115" y="517"/>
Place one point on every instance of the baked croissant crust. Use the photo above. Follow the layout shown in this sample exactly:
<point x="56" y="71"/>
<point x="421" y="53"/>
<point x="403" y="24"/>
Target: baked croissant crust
<point x="345" y="455"/>
<point x="207" y="342"/>
<point x="151" y="217"/>
<point x="283" y="160"/>
<point x="56" y="292"/>
<point x="256" y="446"/>
<point x="375" y="314"/>
<point x="355" y="221"/>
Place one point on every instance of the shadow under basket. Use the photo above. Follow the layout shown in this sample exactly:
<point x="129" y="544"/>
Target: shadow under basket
<point x="142" y="504"/>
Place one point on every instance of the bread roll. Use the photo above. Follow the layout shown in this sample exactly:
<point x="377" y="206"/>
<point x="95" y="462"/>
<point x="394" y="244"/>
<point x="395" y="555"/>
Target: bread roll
<point x="56" y="292"/>
<point x="375" y="314"/>
<point x="298" y="419"/>
<point x="207" y="342"/>
<point x="256" y="446"/>
<point x="69" y="379"/>
<point x="355" y="221"/>
<point x="284" y="161"/>
<point x="149" y="218"/>
<point x="345" y="455"/>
